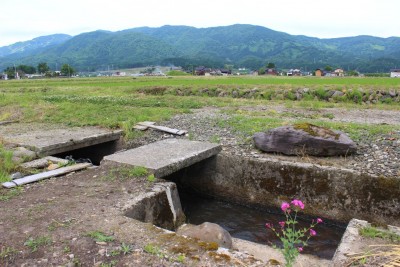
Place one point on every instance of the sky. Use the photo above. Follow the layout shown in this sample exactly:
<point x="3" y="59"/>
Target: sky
<point x="23" y="20"/>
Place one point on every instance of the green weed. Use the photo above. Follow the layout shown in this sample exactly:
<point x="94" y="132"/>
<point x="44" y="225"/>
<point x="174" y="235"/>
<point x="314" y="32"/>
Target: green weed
<point x="125" y="173"/>
<point x="373" y="232"/>
<point x="126" y="248"/>
<point x="215" y="139"/>
<point x="154" y="250"/>
<point x="7" y="253"/>
<point x="35" y="243"/>
<point x="100" y="237"/>
<point x="109" y="264"/>
<point x="57" y="224"/>
<point x="137" y="171"/>
<point x="7" y="165"/>
<point x="151" y="178"/>
<point x="6" y="194"/>
<point x="67" y="249"/>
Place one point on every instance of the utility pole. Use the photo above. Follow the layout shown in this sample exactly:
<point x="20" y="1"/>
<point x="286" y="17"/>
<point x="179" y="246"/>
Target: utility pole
<point x="15" y="74"/>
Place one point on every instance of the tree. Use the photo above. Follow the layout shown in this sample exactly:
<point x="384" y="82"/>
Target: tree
<point x="26" y="69"/>
<point x="43" y="67"/>
<point x="67" y="70"/>
<point x="328" y="68"/>
<point x="10" y="71"/>
<point x="261" y="71"/>
<point x="271" y="65"/>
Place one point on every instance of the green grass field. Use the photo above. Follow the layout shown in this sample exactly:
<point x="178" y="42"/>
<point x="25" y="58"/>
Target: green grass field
<point x="121" y="102"/>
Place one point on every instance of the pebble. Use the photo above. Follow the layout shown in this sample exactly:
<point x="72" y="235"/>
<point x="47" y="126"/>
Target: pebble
<point x="102" y="252"/>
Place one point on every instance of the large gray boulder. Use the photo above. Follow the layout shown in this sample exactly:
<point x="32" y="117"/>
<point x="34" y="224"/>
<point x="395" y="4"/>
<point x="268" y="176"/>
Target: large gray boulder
<point x="305" y="139"/>
<point x="208" y="232"/>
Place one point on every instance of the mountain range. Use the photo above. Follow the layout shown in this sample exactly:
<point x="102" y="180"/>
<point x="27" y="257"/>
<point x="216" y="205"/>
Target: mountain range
<point x="240" y="45"/>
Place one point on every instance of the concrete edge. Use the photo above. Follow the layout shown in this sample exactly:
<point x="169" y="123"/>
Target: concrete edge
<point x="167" y="170"/>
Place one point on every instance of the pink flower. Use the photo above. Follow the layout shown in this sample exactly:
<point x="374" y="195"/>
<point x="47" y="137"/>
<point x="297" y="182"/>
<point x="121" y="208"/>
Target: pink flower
<point x="298" y="203"/>
<point x="282" y="224"/>
<point x="300" y="249"/>
<point x="268" y="225"/>
<point x="313" y="232"/>
<point x="285" y="206"/>
<point x="319" y="220"/>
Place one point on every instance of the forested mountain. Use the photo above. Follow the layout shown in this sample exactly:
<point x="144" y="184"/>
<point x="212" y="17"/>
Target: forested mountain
<point x="240" y="45"/>
<point x="33" y="46"/>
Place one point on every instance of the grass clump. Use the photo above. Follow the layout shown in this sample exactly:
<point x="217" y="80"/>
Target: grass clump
<point x="125" y="173"/>
<point x="35" y="243"/>
<point x="7" y="253"/>
<point x="138" y="171"/>
<point x="154" y="250"/>
<point x="7" y="166"/>
<point x="6" y="194"/>
<point x="100" y="236"/>
<point x="151" y="178"/>
<point x="373" y="232"/>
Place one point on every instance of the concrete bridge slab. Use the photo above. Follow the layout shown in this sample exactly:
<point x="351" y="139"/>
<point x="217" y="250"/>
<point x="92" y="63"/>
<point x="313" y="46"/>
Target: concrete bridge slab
<point x="165" y="157"/>
<point x="50" y="139"/>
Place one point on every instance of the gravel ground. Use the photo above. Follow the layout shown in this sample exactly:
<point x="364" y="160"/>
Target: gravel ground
<point x="377" y="156"/>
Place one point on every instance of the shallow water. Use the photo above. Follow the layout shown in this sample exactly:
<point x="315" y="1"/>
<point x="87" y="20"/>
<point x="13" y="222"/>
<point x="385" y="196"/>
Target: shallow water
<point x="249" y="224"/>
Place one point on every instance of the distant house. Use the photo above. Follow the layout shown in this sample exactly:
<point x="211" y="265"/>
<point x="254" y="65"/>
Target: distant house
<point x="339" y="72"/>
<point x="319" y="73"/>
<point x="119" y="74"/>
<point x="225" y="72"/>
<point x="4" y="76"/>
<point x="271" y="72"/>
<point x="395" y="73"/>
<point x="200" y="71"/>
<point x="294" y="72"/>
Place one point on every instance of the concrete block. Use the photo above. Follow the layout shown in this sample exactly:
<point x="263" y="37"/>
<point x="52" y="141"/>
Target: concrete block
<point x="165" y="157"/>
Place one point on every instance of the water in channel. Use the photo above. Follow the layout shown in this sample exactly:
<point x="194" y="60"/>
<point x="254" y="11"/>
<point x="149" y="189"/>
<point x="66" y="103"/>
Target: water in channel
<point x="249" y="224"/>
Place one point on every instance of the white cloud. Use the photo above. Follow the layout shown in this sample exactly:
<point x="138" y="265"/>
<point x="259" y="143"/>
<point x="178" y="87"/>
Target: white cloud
<point x="25" y="19"/>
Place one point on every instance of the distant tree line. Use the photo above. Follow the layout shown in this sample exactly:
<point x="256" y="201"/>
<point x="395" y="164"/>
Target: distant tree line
<point x="42" y="68"/>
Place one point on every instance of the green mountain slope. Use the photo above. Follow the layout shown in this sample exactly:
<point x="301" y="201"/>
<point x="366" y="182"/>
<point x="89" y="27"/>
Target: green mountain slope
<point x="33" y="46"/>
<point x="241" y="45"/>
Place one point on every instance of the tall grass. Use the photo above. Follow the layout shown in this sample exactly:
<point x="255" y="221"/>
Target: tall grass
<point x="6" y="164"/>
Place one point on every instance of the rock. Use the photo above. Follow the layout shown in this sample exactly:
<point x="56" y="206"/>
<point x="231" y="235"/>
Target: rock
<point x="22" y="152"/>
<point x="208" y="232"/>
<point x="16" y="175"/>
<point x="392" y="93"/>
<point x="337" y="94"/>
<point x="305" y="139"/>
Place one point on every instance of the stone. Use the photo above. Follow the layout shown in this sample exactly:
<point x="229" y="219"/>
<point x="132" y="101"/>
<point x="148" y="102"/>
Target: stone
<point x="306" y="139"/>
<point x="208" y="232"/>
<point x="337" y="94"/>
<point x="392" y="93"/>
<point x="16" y="175"/>
<point x="22" y="152"/>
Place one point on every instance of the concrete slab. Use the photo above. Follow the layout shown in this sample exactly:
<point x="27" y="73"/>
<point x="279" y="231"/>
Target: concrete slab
<point x="50" y="139"/>
<point x="167" y="156"/>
